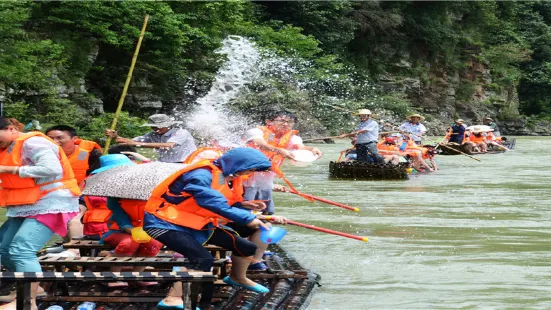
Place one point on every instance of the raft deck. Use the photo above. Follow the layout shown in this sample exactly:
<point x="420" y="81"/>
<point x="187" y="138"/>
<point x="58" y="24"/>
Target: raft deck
<point x="291" y="286"/>
<point x="367" y="171"/>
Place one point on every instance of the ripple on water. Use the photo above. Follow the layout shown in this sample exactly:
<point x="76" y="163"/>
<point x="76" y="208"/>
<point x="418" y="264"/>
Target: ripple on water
<point x="475" y="235"/>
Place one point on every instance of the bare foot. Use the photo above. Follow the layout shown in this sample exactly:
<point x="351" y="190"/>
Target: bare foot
<point x="173" y="301"/>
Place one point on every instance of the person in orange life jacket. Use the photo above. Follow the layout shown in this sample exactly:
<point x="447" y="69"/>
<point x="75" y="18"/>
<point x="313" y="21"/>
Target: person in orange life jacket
<point x="208" y="188"/>
<point x="276" y="140"/>
<point x="126" y="214"/>
<point x="491" y="139"/>
<point x="97" y="213"/>
<point x="416" y="153"/>
<point x="252" y="235"/>
<point x="476" y="141"/>
<point x="84" y="158"/>
<point x="40" y="193"/>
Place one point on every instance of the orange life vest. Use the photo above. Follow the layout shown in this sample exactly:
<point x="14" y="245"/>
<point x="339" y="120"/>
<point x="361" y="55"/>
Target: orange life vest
<point x="21" y="191"/>
<point x="79" y="158"/>
<point x="135" y="209"/>
<point x="283" y="142"/>
<point x="476" y="139"/>
<point x="95" y="213"/>
<point x="203" y="153"/>
<point x="189" y="213"/>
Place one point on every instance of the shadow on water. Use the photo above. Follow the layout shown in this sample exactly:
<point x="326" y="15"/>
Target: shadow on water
<point x="473" y="235"/>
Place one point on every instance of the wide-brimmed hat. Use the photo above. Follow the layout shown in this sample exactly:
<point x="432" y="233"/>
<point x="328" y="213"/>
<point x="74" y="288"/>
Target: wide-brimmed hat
<point x="480" y="128"/>
<point x="111" y="161"/>
<point x="459" y="120"/>
<point x="161" y="121"/>
<point x="415" y="115"/>
<point x="488" y="119"/>
<point x="363" y="112"/>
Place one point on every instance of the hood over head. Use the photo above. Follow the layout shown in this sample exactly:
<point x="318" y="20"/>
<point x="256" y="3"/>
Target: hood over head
<point x="241" y="159"/>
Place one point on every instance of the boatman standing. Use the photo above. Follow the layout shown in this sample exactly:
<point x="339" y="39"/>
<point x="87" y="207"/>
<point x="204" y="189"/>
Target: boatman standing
<point x="367" y="135"/>
<point x="490" y="122"/>
<point x="173" y="144"/>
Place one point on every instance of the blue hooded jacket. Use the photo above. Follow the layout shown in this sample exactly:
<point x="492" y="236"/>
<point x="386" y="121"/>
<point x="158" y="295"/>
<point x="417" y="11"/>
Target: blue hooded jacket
<point x="198" y="183"/>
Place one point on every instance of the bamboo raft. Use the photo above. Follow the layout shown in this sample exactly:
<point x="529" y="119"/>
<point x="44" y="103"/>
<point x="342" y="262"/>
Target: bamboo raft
<point x="367" y="171"/>
<point x="449" y="149"/>
<point x="291" y="286"/>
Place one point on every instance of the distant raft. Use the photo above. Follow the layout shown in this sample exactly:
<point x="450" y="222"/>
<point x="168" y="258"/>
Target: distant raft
<point x="367" y="171"/>
<point x="449" y="149"/>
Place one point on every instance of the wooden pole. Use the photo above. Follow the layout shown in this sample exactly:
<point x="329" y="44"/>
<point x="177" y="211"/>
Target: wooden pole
<point x="322" y="138"/>
<point x="324" y="230"/>
<point x="126" y="84"/>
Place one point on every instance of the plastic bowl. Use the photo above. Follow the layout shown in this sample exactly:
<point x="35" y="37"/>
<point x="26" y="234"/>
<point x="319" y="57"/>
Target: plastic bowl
<point x="303" y="157"/>
<point x="274" y="235"/>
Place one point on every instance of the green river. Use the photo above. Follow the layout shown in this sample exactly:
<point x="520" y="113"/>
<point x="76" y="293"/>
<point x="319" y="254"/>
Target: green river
<point x="474" y="235"/>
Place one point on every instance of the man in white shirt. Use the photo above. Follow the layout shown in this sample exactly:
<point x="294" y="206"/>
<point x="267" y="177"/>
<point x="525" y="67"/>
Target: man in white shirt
<point x="173" y="144"/>
<point x="414" y="128"/>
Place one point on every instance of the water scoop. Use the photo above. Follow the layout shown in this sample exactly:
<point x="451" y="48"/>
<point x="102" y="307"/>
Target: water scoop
<point x="274" y="235"/>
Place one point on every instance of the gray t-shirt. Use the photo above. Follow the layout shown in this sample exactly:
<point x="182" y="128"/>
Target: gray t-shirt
<point x="185" y="144"/>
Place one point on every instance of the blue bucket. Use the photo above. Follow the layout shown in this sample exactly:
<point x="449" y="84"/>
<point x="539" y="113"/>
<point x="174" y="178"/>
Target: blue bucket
<point x="274" y="235"/>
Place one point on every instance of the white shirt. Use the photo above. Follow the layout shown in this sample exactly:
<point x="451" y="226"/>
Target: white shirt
<point x="185" y="144"/>
<point x="415" y="129"/>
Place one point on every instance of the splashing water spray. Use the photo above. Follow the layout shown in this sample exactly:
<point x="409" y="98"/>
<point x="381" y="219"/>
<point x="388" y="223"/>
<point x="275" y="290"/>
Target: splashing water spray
<point x="212" y="119"/>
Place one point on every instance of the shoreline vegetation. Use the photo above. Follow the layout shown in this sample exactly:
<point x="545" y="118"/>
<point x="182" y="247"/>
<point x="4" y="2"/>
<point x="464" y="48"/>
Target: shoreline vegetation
<point x="65" y="62"/>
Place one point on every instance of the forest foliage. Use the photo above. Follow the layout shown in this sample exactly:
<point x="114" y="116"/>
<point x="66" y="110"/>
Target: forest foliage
<point x="49" y="48"/>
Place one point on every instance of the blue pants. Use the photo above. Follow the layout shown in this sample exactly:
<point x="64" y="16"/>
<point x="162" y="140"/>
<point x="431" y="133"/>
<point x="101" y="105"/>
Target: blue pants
<point x="365" y="150"/>
<point x="22" y="238"/>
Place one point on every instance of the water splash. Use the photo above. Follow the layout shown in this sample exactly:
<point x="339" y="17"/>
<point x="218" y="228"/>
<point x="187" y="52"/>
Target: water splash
<point x="212" y="119"/>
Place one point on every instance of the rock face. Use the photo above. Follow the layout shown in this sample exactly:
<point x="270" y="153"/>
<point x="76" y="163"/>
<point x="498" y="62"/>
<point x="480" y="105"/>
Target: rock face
<point x="443" y="96"/>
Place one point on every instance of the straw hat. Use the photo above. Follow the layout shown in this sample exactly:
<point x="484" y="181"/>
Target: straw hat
<point x="363" y="112"/>
<point x="459" y="120"/>
<point x="480" y="128"/>
<point x="416" y="115"/>
<point x="488" y="119"/>
<point x="161" y="121"/>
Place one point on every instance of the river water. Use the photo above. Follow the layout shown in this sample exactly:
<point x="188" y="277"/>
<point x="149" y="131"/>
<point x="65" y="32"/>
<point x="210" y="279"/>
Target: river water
<point x="474" y="235"/>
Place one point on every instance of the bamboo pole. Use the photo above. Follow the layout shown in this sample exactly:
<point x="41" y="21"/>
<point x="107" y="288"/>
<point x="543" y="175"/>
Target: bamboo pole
<point x="324" y="230"/>
<point x="126" y="84"/>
